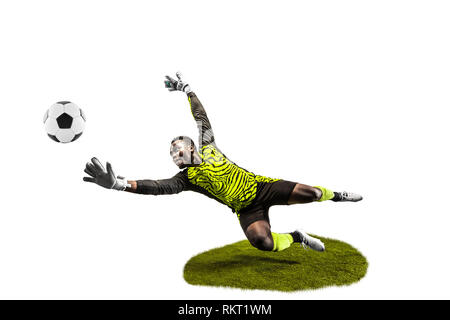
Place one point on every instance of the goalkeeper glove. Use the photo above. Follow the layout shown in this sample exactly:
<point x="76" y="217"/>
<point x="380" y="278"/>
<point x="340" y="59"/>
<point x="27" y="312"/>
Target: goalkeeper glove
<point x="177" y="85"/>
<point x="105" y="178"/>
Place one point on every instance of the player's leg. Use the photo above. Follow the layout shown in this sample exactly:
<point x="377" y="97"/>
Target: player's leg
<point x="256" y="226"/>
<point x="261" y="237"/>
<point x="303" y="193"/>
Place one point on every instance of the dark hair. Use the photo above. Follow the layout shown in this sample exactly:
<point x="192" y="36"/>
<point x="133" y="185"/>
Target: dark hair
<point x="184" y="139"/>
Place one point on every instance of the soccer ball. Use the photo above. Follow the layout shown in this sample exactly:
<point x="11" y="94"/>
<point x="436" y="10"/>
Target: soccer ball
<point x="64" y="122"/>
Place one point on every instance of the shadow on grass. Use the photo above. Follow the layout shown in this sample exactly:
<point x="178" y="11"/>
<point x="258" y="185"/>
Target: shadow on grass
<point x="241" y="260"/>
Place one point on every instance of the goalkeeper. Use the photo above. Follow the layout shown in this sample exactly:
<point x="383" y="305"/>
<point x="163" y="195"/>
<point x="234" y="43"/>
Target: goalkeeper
<point x="207" y="170"/>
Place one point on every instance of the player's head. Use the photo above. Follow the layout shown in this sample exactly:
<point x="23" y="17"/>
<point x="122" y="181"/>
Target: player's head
<point x="182" y="151"/>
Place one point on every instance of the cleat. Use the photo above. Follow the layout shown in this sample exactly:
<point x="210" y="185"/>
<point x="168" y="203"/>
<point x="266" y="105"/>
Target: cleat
<point x="348" y="196"/>
<point x="310" y="242"/>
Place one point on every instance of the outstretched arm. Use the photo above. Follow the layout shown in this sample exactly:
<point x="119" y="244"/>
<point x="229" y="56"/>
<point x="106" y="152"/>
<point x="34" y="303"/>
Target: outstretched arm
<point x="107" y="179"/>
<point x="176" y="184"/>
<point x="206" y="135"/>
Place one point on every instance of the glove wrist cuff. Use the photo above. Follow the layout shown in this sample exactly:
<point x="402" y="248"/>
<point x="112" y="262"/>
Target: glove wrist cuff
<point x="121" y="184"/>
<point x="187" y="89"/>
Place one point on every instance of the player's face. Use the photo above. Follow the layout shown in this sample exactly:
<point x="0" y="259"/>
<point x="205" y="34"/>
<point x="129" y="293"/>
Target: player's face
<point x="181" y="153"/>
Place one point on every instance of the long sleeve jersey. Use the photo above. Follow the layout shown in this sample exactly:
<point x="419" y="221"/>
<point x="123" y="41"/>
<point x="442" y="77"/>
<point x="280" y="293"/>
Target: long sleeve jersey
<point x="216" y="177"/>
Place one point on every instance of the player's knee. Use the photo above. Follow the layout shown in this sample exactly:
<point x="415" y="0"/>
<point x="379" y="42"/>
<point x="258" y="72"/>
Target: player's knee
<point x="307" y="193"/>
<point x="316" y="194"/>
<point x="262" y="242"/>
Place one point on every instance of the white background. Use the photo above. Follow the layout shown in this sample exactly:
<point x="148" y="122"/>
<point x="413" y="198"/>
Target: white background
<point x="351" y="95"/>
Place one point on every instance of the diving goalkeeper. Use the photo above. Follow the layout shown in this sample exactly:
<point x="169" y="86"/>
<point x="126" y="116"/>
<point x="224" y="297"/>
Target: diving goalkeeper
<point x="208" y="171"/>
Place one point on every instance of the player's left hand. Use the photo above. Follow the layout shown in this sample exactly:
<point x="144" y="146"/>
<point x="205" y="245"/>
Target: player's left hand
<point x="176" y="85"/>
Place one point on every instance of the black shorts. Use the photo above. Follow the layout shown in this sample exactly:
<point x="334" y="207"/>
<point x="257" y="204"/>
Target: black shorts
<point x="267" y="195"/>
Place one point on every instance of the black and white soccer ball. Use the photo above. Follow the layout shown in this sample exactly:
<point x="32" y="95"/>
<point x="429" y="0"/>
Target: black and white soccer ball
<point x="64" y="121"/>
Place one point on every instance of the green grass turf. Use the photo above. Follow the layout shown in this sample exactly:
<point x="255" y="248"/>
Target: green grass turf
<point x="239" y="265"/>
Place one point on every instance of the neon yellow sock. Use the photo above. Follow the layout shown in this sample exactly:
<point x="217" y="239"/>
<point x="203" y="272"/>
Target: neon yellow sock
<point x="281" y="241"/>
<point x="326" y="194"/>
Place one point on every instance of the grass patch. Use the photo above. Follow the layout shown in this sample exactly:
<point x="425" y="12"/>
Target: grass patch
<point x="239" y="265"/>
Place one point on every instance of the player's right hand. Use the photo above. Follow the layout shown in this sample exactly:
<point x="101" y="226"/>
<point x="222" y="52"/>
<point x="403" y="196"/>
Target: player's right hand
<point x="105" y="178"/>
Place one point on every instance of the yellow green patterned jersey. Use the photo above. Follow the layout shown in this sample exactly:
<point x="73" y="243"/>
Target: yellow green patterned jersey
<point x="216" y="177"/>
<point x="224" y="180"/>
